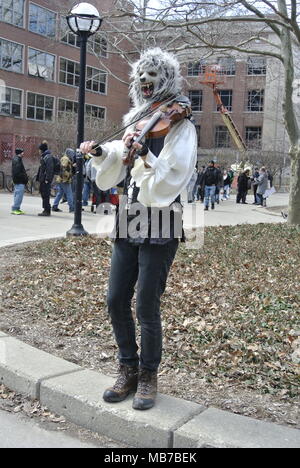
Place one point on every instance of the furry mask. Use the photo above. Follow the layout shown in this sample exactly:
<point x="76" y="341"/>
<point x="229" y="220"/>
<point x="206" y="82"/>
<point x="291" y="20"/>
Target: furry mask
<point x="155" y="77"/>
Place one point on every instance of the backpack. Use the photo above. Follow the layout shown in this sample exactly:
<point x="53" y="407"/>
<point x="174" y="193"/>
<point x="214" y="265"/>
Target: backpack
<point x="57" y="165"/>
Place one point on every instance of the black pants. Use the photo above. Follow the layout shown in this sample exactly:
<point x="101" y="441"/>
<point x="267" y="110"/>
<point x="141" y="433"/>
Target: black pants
<point x="241" y="195"/>
<point x="148" y="266"/>
<point x="45" y="191"/>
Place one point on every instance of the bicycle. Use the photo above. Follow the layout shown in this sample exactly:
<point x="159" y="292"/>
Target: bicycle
<point x="9" y="185"/>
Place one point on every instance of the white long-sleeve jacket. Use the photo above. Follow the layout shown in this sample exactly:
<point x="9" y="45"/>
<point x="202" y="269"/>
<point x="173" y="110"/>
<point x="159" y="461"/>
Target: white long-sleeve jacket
<point x="168" y="175"/>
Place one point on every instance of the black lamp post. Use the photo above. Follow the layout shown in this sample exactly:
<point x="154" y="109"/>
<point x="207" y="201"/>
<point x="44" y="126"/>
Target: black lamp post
<point x="84" y="21"/>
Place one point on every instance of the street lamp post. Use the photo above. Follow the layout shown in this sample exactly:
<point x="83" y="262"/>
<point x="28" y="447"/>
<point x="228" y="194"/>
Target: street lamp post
<point x="84" y="21"/>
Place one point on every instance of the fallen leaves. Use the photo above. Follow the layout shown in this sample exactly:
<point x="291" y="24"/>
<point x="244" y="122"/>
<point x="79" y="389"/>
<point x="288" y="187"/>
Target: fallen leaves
<point x="230" y="310"/>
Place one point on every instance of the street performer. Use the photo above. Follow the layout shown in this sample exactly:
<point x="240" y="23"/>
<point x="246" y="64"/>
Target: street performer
<point x="142" y="256"/>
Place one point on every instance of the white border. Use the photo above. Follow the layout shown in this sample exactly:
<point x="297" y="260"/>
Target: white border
<point x="23" y="59"/>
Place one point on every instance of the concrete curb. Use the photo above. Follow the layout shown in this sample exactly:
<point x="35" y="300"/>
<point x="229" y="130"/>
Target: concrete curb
<point x="73" y="392"/>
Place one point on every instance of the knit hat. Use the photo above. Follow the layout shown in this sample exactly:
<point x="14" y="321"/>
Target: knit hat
<point x="43" y="146"/>
<point x="19" y="151"/>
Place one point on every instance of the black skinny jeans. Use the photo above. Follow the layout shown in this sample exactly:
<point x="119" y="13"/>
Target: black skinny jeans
<point x="147" y="265"/>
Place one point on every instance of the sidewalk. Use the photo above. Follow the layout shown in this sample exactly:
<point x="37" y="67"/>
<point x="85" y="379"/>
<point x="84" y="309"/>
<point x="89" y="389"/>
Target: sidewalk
<point x="75" y="392"/>
<point x="18" y="229"/>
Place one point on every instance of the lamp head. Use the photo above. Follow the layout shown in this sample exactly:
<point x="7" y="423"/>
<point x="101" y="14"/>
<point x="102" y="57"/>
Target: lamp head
<point x="84" y="18"/>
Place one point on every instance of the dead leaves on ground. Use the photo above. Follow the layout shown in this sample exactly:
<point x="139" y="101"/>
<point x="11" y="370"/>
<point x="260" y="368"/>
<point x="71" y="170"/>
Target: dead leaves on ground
<point x="230" y="311"/>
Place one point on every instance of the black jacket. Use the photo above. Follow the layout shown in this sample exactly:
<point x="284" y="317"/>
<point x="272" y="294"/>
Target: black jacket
<point x="211" y="176"/>
<point x="46" y="169"/>
<point x="19" y="175"/>
<point x="243" y="185"/>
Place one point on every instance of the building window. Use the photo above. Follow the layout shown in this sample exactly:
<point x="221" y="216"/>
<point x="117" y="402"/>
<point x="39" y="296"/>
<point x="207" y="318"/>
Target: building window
<point x="227" y="65"/>
<point x="253" y="137"/>
<point x="67" y="107"/>
<point x="196" y="100"/>
<point x="196" y="68"/>
<point x="12" y="11"/>
<point x="11" y="56"/>
<point x="255" y="100"/>
<point x="97" y="45"/>
<point x="12" y="103"/>
<point x="41" y="64"/>
<point x="226" y="96"/>
<point x="40" y="107"/>
<point x="222" y="137"/>
<point x="42" y="21"/>
<point x="96" y="80"/>
<point x="257" y="65"/>
<point x="69" y="72"/>
<point x="94" y="113"/>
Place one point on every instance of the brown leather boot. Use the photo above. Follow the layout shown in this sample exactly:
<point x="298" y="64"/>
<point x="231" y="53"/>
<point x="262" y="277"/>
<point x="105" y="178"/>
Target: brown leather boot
<point x="125" y="383"/>
<point x="146" y="391"/>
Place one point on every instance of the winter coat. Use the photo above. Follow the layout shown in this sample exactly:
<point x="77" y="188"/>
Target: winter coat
<point x="211" y="176"/>
<point x="263" y="183"/>
<point x="46" y="169"/>
<point x="66" y="170"/>
<point x="243" y="182"/>
<point x="19" y="175"/>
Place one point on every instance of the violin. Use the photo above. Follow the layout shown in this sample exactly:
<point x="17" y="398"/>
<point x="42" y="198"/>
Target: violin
<point x="157" y="126"/>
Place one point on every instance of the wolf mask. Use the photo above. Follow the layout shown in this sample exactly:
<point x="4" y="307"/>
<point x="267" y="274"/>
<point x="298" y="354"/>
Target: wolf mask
<point x="155" y="77"/>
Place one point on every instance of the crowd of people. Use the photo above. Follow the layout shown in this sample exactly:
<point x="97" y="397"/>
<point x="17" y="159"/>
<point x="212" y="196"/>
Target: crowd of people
<point x="208" y="184"/>
<point x="211" y="184"/>
<point x="61" y="172"/>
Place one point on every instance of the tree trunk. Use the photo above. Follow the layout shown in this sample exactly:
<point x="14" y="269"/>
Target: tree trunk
<point x="294" y="202"/>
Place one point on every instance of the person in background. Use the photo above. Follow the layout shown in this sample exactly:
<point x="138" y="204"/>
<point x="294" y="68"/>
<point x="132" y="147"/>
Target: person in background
<point x="226" y="185"/>
<point x="191" y="186"/>
<point x="20" y="179"/>
<point x="262" y="185"/>
<point x="210" y="180"/>
<point x="243" y="185"/>
<point x="64" y="181"/>
<point x="254" y="180"/>
<point x="219" y="184"/>
<point x="45" y="177"/>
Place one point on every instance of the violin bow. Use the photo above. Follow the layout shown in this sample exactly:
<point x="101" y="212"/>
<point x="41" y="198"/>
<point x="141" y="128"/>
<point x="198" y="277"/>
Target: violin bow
<point x="152" y="111"/>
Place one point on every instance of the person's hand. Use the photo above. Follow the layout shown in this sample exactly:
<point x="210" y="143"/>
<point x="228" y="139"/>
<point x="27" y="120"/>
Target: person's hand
<point x="129" y="143"/>
<point x="87" y="147"/>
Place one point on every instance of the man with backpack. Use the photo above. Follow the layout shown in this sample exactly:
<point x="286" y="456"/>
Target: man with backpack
<point x="64" y="181"/>
<point x="47" y="169"/>
<point x="211" y="180"/>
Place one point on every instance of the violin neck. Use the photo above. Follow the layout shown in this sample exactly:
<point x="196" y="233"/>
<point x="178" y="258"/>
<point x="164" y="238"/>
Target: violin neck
<point x="148" y="127"/>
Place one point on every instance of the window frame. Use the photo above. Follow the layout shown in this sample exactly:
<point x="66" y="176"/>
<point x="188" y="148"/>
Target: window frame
<point x="47" y="53"/>
<point x="101" y="72"/>
<point x="200" y="91"/>
<point x="46" y="9"/>
<point x="229" y="108"/>
<point x="248" y="141"/>
<point x="23" y="49"/>
<point x="11" y="103"/>
<point x="261" y="103"/>
<point x="59" y="71"/>
<point x="263" y="69"/>
<point x="44" y="95"/>
<point x="200" y="70"/>
<point x="218" y="130"/>
<point x="230" y="69"/>
<point x="23" y="16"/>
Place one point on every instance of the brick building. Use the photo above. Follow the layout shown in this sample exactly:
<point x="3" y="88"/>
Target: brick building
<point x="39" y="73"/>
<point x="252" y="93"/>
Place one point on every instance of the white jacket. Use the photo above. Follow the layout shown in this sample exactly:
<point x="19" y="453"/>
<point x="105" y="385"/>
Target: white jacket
<point x="168" y="175"/>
